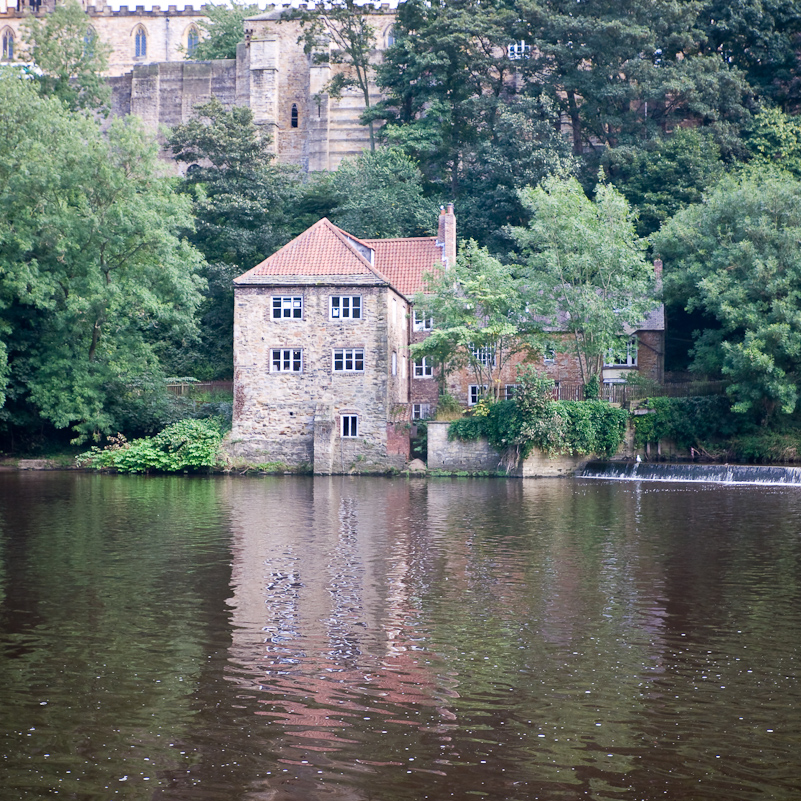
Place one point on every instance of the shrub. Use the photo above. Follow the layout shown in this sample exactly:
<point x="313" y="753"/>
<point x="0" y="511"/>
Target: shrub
<point x="185" y="445"/>
<point x="689" y="422"/>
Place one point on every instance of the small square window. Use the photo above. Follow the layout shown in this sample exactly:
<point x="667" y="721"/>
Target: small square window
<point x="350" y="425"/>
<point x="286" y="306"/>
<point x="510" y="391"/>
<point x="421" y="411"/>
<point x="349" y="360"/>
<point x="287" y="360"/>
<point x="423" y="368"/>
<point x="549" y="357"/>
<point x="421" y="323"/>
<point x="346" y="307"/>
<point x="475" y="392"/>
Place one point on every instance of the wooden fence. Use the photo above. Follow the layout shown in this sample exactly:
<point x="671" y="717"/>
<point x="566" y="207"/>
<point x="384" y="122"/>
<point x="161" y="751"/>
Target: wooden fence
<point x="624" y="393"/>
<point x="199" y="387"/>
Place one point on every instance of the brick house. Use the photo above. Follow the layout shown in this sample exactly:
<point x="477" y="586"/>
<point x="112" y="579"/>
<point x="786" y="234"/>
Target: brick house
<point x="322" y="374"/>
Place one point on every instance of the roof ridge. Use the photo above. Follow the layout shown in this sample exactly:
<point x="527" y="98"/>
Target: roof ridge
<point x="346" y="236"/>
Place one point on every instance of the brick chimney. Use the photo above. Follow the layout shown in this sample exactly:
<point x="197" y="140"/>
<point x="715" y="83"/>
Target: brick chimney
<point x="446" y="235"/>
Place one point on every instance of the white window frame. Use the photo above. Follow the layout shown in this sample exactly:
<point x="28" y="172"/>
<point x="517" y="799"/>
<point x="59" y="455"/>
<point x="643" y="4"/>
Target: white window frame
<point x="289" y="360"/>
<point x="349" y="426"/>
<point x="420" y="322"/>
<point x="484" y="355"/>
<point x="345" y="355"/>
<point x="345" y="307"/>
<point x="422" y="369"/>
<point x="549" y="357"/>
<point x="284" y="304"/>
<point x="510" y="395"/>
<point x="475" y="392"/>
<point x="421" y="411"/>
<point x="518" y="50"/>
<point x="632" y="348"/>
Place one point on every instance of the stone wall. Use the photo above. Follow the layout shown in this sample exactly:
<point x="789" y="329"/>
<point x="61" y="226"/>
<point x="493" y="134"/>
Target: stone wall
<point x="295" y="418"/>
<point x="479" y="456"/>
<point x="476" y="456"/>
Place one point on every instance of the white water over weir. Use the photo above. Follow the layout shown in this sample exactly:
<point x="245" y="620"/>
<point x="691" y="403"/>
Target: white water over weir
<point x="765" y="475"/>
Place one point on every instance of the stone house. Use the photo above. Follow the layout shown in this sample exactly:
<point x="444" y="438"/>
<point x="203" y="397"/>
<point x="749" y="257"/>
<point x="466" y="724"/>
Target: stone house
<point x="322" y="328"/>
<point x="321" y="362"/>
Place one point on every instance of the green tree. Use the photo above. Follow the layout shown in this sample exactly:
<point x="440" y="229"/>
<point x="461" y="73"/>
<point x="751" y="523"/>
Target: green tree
<point x="69" y="56"/>
<point x="481" y="318"/>
<point x="339" y="33"/>
<point x="223" y="31"/>
<point x="665" y="175"/>
<point x="623" y="71"/>
<point x="773" y="138"/>
<point x="444" y="79"/>
<point x="586" y="267"/>
<point x="380" y="195"/>
<point x="761" y="38"/>
<point x="242" y="204"/>
<point x="93" y="276"/>
<point x="736" y="258"/>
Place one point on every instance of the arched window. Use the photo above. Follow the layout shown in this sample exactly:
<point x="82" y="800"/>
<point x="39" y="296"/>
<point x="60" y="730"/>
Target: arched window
<point x="293" y="117"/>
<point x="8" y="45"/>
<point x="192" y="39"/>
<point x="390" y="36"/>
<point x="89" y="39"/>
<point x="140" y="39"/>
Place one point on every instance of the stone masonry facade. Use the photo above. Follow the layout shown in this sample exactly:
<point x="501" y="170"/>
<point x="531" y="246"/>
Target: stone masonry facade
<point x="271" y="75"/>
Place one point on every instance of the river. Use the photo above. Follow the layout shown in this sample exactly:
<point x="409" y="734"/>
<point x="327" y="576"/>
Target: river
<point x="293" y="638"/>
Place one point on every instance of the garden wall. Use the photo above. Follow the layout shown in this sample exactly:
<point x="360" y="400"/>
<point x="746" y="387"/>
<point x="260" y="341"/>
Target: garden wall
<point x="478" y="456"/>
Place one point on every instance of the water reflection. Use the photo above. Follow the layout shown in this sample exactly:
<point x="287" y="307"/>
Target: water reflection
<point x="343" y="638"/>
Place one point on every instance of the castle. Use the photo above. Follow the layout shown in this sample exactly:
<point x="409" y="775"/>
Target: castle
<point x="151" y="77"/>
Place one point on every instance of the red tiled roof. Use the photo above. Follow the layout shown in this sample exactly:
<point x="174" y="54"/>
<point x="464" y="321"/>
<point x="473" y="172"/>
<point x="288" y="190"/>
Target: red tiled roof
<point x="322" y="249"/>
<point x="405" y="261"/>
<point x="325" y="250"/>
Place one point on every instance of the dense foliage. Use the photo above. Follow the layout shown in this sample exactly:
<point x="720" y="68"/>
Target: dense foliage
<point x="689" y="422"/>
<point x="184" y="446"/>
<point x="585" y="268"/>
<point x="223" y="31"/>
<point x="67" y="55"/>
<point x="735" y="257"/>
<point x="95" y="280"/>
<point x="534" y="420"/>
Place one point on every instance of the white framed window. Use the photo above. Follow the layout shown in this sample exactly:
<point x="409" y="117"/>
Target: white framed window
<point x="286" y="360"/>
<point x="346" y="307"/>
<point x="510" y="391"/>
<point x="475" y="392"/>
<point x="623" y="355"/>
<point x="349" y="360"/>
<point x="549" y="357"/>
<point x="485" y="355"/>
<point x="420" y="322"/>
<point x="421" y="411"/>
<point x="140" y="43"/>
<point x="349" y="427"/>
<point x="287" y="307"/>
<point x="518" y="50"/>
<point x="423" y="368"/>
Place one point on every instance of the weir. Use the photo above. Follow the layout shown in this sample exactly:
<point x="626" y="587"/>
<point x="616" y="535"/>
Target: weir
<point x="766" y="475"/>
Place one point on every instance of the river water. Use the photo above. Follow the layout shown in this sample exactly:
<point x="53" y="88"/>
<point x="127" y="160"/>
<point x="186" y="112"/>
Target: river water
<point x="223" y="639"/>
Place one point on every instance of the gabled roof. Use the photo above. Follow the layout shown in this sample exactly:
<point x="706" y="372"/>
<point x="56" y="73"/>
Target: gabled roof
<point x="405" y="261"/>
<point x="326" y="252"/>
<point x="322" y="251"/>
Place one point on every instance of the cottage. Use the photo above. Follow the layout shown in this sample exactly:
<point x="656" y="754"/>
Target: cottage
<point x="322" y="328"/>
